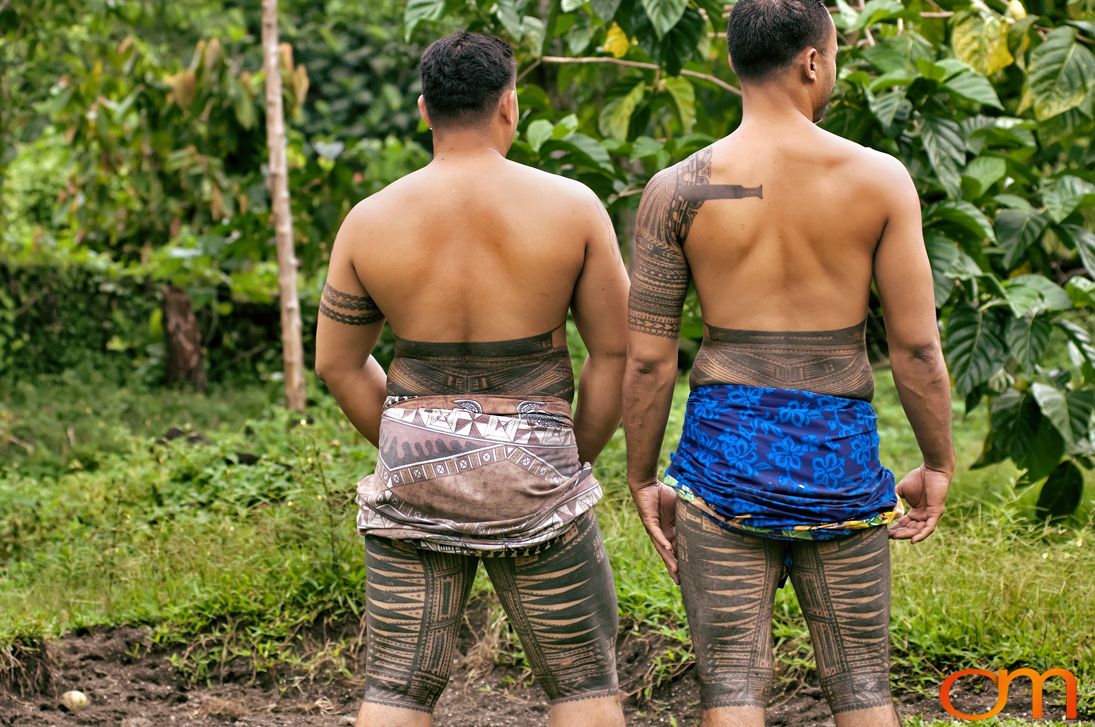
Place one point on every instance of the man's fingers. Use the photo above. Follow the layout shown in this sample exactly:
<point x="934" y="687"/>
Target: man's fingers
<point x="928" y="529"/>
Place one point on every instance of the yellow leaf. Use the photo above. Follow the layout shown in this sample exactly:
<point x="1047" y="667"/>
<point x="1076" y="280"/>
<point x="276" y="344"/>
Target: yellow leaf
<point x="183" y="85"/>
<point x="982" y="43"/>
<point x="1016" y="11"/>
<point x="286" y="52"/>
<point x="616" y="42"/>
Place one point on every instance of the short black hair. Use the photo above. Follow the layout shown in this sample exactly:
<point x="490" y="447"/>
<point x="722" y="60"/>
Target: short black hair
<point x="765" y="35"/>
<point x="463" y="75"/>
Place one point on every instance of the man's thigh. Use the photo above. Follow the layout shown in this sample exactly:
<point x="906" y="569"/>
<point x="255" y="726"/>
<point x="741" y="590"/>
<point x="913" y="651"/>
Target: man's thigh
<point x="843" y="587"/>
<point x="562" y="603"/>
<point x="414" y="606"/>
<point x="728" y="581"/>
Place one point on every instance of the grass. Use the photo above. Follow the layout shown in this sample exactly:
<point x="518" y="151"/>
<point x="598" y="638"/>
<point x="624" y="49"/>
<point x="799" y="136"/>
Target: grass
<point x="255" y="561"/>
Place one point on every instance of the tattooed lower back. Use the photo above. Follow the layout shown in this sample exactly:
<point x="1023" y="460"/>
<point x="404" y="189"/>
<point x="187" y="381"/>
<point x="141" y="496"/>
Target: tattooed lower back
<point x="532" y="366"/>
<point x="824" y="362"/>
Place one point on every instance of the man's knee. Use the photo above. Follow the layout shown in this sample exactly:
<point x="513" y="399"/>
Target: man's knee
<point x="848" y="691"/>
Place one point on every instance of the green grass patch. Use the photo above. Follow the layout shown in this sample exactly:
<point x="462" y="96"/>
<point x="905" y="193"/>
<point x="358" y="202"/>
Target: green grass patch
<point x="236" y="540"/>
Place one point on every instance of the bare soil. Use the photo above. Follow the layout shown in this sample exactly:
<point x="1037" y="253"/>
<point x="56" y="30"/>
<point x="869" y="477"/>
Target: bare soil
<point x="131" y="684"/>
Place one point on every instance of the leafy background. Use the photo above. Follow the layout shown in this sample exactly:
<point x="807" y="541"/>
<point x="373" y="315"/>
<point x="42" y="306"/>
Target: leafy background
<point x="140" y="157"/>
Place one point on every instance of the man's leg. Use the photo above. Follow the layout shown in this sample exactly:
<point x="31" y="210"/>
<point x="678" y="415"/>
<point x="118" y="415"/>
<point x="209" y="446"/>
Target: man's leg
<point x="414" y="605"/>
<point x="843" y="587"/>
<point x="562" y="603"/>
<point x="729" y="581"/>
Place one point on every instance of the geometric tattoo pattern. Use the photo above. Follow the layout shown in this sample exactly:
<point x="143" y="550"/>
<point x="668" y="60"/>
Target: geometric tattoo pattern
<point x="729" y="580"/>
<point x="824" y="362"/>
<point x="560" y="601"/>
<point x="528" y="367"/>
<point x="660" y="274"/>
<point x="353" y="310"/>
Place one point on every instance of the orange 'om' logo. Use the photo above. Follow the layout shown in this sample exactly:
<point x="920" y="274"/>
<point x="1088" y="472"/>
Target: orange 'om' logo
<point x="1002" y="679"/>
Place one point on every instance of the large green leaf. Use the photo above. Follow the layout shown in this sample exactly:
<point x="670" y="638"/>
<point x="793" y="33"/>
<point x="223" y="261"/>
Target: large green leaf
<point x="1068" y="411"/>
<point x="1060" y="73"/>
<point x="615" y="116"/>
<point x="605" y="8"/>
<point x="419" y="10"/>
<point x="684" y="97"/>
<point x="538" y="132"/>
<point x="1043" y="451"/>
<point x="974" y="346"/>
<point x="1027" y="340"/>
<point x="1064" y="194"/>
<point x="969" y="85"/>
<point x="982" y="42"/>
<point x="1083" y="240"/>
<point x="1016" y="231"/>
<point x="983" y="172"/>
<point x="1062" y="492"/>
<point x="664" y="14"/>
<point x="962" y="215"/>
<point x="949" y="263"/>
<point x="885" y="106"/>
<point x="1030" y="295"/>
<point x="946" y="151"/>
<point x="1081" y="338"/>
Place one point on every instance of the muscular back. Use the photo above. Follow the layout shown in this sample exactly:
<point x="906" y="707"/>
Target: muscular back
<point x="484" y="251"/>
<point x="779" y="232"/>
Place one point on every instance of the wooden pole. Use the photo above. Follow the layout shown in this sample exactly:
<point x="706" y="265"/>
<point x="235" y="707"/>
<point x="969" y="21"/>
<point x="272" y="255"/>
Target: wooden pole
<point x="292" y="344"/>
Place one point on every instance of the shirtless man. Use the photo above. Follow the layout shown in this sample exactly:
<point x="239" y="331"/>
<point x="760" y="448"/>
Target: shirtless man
<point x="475" y="261"/>
<point x="782" y="226"/>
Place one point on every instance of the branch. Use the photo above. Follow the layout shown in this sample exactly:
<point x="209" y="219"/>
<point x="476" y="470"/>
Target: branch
<point x="646" y="66"/>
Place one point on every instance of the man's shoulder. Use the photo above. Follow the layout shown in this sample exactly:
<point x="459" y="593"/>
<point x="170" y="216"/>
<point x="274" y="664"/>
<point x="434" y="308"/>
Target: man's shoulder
<point x="870" y="163"/>
<point x="691" y="167"/>
<point x="564" y="188"/>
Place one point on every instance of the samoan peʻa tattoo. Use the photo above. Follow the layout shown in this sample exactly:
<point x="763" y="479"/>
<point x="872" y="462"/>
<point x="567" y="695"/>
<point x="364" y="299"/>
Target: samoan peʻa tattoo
<point x="660" y="277"/>
<point x="362" y="309"/>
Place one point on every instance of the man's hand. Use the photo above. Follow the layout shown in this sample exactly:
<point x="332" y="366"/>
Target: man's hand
<point x="657" y="505"/>
<point x="925" y="490"/>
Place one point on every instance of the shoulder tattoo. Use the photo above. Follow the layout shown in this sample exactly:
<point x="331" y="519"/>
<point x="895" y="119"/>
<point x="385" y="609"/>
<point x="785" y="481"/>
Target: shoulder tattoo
<point x="353" y="310"/>
<point x="660" y="274"/>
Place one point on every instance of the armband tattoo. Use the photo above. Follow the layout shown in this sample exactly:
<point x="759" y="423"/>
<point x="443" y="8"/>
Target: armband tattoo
<point x="334" y="299"/>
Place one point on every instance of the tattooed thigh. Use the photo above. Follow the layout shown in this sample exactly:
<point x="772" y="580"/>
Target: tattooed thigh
<point x="843" y="587"/>
<point x="414" y="607"/>
<point x="728" y="581"/>
<point x="562" y="604"/>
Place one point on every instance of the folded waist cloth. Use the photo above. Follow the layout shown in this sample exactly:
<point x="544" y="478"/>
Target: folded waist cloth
<point x="482" y="474"/>
<point x="782" y="463"/>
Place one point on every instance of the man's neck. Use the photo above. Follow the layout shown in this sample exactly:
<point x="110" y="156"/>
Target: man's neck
<point x="465" y="145"/>
<point x="768" y="105"/>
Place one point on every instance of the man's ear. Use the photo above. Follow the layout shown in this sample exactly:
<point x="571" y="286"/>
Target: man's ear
<point x="422" y="110"/>
<point x="810" y="60"/>
<point x="507" y="106"/>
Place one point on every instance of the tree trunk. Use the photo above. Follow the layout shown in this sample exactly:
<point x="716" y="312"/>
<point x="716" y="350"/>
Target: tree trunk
<point x="184" y="340"/>
<point x="291" y="342"/>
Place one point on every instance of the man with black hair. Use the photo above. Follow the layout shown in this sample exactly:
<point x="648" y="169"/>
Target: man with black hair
<point x="782" y="227"/>
<point x="475" y="262"/>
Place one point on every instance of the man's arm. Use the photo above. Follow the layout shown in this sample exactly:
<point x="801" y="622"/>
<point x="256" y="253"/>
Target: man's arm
<point x="600" y="309"/>
<point x="348" y="329"/>
<point x="659" y="284"/>
<point x="903" y="275"/>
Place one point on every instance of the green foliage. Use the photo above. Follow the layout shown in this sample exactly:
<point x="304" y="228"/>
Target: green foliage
<point x="158" y="141"/>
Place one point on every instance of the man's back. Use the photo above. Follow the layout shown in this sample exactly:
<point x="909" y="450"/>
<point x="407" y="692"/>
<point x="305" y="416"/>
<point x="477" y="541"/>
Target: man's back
<point x="480" y="249"/>
<point x="798" y="256"/>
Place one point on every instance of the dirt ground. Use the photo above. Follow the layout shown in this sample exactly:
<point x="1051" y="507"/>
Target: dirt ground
<point x="131" y="686"/>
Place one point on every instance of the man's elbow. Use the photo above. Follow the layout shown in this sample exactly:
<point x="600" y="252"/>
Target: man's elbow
<point x="919" y="352"/>
<point x="325" y="370"/>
